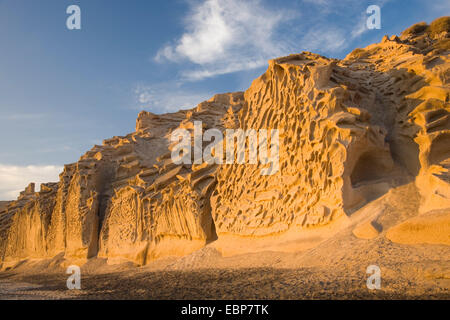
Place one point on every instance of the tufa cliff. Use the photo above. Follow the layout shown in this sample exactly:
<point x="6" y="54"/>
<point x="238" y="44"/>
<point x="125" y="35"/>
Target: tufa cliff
<point x="351" y="131"/>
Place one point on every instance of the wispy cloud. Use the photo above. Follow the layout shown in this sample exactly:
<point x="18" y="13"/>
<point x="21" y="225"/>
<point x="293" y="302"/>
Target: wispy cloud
<point x="332" y="7"/>
<point x="361" y="27"/>
<point x="199" y="74"/>
<point x="22" y="116"/>
<point x="167" y="98"/>
<point x="324" y="39"/>
<point x="14" y="179"/>
<point x="440" y="6"/>
<point x="224" y="36"/>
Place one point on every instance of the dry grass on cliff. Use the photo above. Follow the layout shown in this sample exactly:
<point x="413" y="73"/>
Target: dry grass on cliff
<point x="435" y="28"/>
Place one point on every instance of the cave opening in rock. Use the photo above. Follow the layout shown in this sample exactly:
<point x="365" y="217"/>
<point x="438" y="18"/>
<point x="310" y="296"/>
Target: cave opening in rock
<point x="371" y="166"/>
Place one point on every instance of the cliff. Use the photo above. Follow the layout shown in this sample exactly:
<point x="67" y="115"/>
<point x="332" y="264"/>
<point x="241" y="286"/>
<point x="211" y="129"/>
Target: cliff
<point x="350" y="132"/>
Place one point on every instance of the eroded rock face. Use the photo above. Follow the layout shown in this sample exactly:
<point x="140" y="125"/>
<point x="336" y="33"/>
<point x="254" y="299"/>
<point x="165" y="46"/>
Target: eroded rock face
<point x="350" y="130"/>
<point x="329" y="150"/>
<point x="25" y="223"/>
<point x="125" y="199"/>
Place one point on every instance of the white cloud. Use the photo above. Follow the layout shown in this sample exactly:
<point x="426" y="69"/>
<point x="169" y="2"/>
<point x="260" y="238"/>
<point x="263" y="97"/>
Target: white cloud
<point x="360" y="27"/>
<point x="324" y="39"/>
<point x="193" y="75"/>
<point x="165" y="98"/>
<point x="14" y="179"/>
<point x="226" y="36"/>
<point x="220" y="33"/>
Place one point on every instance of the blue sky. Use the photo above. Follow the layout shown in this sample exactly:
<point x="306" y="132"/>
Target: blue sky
<point x="62" y="91"/>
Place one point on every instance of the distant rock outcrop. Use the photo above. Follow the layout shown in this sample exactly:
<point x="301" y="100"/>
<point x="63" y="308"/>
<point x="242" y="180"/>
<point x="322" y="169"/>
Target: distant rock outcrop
<point x="350" y="131"/>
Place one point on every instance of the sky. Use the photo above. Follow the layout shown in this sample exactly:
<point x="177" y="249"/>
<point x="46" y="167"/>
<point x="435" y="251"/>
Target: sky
<point x="63" y="91"/>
